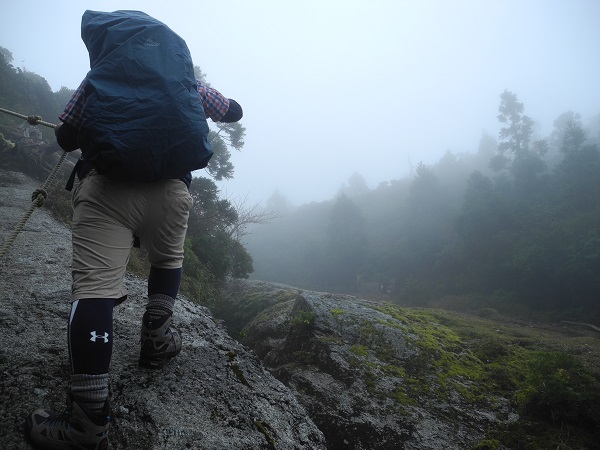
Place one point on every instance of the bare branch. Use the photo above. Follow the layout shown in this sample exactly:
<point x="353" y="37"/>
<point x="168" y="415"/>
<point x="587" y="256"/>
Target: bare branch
<point x="249" y="215"/>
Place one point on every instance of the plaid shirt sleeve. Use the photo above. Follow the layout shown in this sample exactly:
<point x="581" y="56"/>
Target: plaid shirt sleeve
<point x="214" y="103"/>
<point x="73" y="111"/>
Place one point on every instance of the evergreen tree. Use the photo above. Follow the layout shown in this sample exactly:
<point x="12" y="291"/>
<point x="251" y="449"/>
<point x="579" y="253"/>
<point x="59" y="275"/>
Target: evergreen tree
<point x="347" y="242"/>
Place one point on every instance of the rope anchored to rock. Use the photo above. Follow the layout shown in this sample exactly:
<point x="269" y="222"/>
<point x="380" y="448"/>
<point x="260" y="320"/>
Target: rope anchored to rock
<point x="39" y="196"/>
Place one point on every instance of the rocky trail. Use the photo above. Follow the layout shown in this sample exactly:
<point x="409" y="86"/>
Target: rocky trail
<point x="214" y="395"/>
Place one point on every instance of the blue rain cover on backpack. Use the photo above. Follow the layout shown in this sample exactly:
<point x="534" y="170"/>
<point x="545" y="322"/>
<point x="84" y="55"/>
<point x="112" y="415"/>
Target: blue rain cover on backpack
<point x="143" y="119"/>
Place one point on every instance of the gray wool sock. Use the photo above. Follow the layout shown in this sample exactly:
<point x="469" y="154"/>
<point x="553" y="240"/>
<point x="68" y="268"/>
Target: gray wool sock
<point x="90" y="391"/>
<point x="159" y="305"/>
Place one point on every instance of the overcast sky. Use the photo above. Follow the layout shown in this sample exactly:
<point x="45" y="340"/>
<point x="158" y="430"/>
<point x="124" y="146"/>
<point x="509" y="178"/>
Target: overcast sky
<point x="333" y="87"/>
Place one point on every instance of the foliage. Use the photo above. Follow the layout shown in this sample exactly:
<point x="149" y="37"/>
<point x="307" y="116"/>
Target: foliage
<point x="516" y="134"/>
<point x="346" y="241"/>
<point x="303" y="320"/>
<point x="336" y="312"/>
<point x="488" y="444"/>
<point x="210" y="232"/>
<point x="559" y="389"/>
<point x="198" y="282"/>
<point x="227" y="135"/>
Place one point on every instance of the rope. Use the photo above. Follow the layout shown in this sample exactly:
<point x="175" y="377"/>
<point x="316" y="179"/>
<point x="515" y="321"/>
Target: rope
<point x="31" y="120"/>
<point x="38" y="197"/>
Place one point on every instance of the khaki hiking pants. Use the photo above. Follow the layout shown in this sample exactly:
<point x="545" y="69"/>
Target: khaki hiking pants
<point x="106" y="216"/>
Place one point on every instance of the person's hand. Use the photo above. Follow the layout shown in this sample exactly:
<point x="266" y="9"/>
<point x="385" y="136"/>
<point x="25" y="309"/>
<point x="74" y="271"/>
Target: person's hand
<point x="66" y="136"/>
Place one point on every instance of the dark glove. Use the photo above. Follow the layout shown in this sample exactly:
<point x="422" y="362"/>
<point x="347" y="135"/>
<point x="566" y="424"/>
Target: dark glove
<point x="66" y="136"/>
<point x="234" y="113"/>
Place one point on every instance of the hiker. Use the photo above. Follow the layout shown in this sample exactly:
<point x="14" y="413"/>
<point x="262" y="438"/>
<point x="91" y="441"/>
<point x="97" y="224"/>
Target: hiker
<point x="139" y="118"/>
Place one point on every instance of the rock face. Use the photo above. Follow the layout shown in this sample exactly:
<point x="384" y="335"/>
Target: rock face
<point x="214" y="395"/>
<point x="372" y="376"/>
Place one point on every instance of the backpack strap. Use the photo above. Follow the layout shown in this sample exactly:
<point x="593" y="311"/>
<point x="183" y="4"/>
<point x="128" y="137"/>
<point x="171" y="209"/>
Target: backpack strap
<point x="71" y="181"/>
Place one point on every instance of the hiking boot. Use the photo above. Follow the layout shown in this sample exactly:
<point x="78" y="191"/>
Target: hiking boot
<point x="159" y="342"/>
<point x="75" y="428"/>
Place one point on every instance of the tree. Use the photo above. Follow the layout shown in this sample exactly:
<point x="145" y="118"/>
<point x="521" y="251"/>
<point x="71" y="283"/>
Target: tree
<point x="355" y="187"/>
<point x="579" y="171"/>
<point x="249" y="215"/>
<point x="427" y="210"/>
<point x="278" y="203"/>
<point x="347" y="242"/>
<point x="515" y="151"/>
<point x="561" y="127"/>
<point x="481" y="209"/>
<point x="422" y="236"/>
<point x="213" y="234"/>
<point x="487" y="146"/>
<point x="228" y="135"/>
<point x="63" y="95"/>
<point x="26" y="93"/>
<point x="516" y="135"/>
<point x="7" y="54"/>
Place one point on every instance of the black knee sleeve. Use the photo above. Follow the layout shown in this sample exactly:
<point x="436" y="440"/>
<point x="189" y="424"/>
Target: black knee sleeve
<point x="164" y="281"/>
<point x="90" y="335"/>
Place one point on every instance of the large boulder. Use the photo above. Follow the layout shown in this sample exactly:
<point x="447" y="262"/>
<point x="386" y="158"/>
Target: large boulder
<point x="215" y="395"/>
<point x="372" y="375"/>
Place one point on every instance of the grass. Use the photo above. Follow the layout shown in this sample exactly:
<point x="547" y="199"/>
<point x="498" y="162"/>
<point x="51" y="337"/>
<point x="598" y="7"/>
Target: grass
<point x="550" y="373"/>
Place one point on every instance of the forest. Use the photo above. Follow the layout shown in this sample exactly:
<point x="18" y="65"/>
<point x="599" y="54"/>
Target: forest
<point x="512" y="226"/>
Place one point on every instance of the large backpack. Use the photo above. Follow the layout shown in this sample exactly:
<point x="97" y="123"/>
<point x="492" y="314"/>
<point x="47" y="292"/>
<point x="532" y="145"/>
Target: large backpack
<point x="142" y="119"/>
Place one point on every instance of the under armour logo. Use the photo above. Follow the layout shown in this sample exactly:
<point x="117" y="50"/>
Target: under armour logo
<point x="96" y="336"/>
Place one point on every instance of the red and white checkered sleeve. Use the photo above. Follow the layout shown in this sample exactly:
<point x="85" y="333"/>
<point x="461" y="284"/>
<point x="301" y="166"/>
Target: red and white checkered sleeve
<point x="74" y="109"/>
<point x="215" y="104"/>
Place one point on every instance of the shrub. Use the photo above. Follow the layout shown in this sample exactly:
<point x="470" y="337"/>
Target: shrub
<point x="303" y="320"/>
<point x="558" y="388"/>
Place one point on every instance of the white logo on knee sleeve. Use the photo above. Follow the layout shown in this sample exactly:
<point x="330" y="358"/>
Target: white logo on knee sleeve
<point x="96" y="336"/>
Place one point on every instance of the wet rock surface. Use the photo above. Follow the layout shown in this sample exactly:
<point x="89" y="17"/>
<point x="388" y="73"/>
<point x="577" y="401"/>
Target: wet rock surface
<point x="363" y="371"/>
<point x="215" y="395"/>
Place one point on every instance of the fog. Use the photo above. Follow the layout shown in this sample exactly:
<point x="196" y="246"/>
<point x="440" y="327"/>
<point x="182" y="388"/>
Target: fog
<point x="330" y="88"/>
